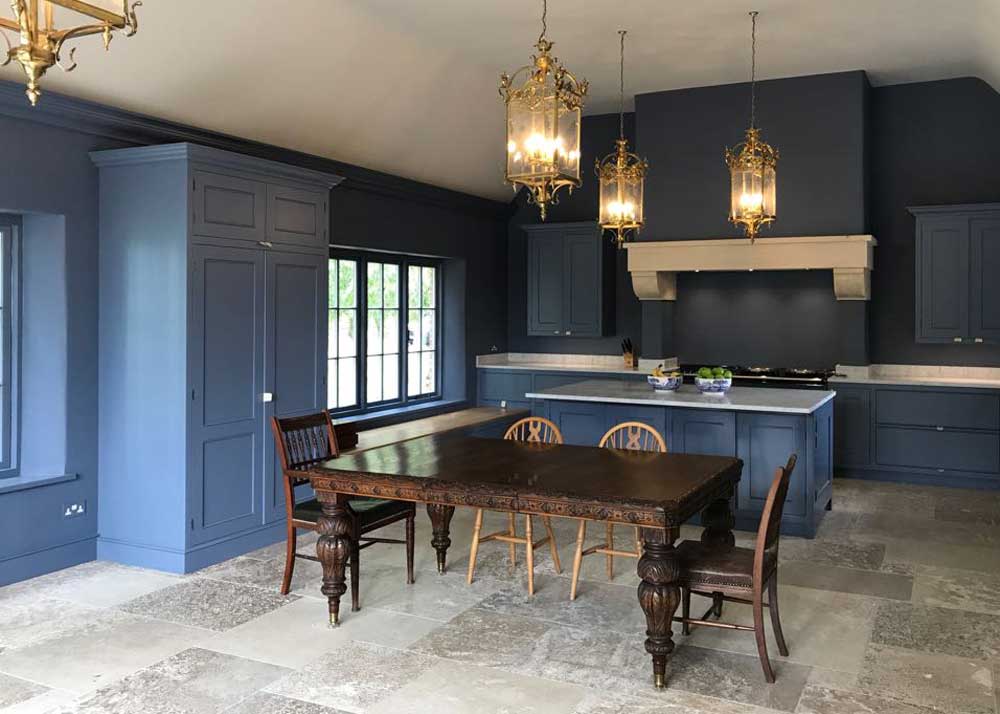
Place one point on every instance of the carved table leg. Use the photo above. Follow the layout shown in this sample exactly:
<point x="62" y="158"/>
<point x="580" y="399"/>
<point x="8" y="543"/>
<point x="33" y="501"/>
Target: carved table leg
<point x="332" y="549"/>
<point x="659" y="596"/>
<point x="440" y="521"/>
<point x="719" y="522"/>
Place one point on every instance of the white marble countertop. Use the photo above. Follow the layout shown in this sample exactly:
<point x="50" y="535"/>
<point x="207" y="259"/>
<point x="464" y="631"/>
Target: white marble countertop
<point x="920" y="375"/>
<point x="741" y="399"/>
<point x="920" y="381"/>
<point x="592" y="364"/>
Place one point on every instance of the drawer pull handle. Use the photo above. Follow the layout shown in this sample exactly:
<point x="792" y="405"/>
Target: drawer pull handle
<point x="555" y="332"/>
<point x="568" y="332"/>
<point x="265" y="243"/>
<point x="956" y="339"/>
<point x="979" y="340"/>
<point x="940" y="471"/>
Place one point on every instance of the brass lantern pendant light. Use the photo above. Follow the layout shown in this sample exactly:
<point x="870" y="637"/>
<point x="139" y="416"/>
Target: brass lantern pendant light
<point x="621" y="175"/>
<point x="543" y="102"/>
<point x="40" y="44"/>
<point x="752" y="165"/>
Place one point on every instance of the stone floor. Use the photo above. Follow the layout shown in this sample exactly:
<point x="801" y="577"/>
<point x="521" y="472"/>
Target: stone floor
<point x="893" y="609"/>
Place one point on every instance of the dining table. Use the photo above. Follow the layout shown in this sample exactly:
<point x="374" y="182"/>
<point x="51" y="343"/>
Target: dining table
<point x="656" y="492"/>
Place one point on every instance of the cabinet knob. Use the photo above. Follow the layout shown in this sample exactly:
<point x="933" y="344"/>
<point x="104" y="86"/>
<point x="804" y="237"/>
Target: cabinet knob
<point x="265" y="243"/>
<point x="956" y="339"/>
<point x="939" y="428"/>
<point x="979" y="340"/>
<point x="555" y="332"/>
<point x="569" y="332"/>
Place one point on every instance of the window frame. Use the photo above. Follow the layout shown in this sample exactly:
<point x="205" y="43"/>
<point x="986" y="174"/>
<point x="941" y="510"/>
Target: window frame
<point x="10" y="315"/>
<point x="404" y="261"/>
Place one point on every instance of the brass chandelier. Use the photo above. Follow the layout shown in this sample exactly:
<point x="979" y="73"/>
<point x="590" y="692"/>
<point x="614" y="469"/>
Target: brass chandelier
<point x="544" y="103"/>
<point x="40" y="44"/>
<point x="752" y="165"/>
<point x="621" y="175"/>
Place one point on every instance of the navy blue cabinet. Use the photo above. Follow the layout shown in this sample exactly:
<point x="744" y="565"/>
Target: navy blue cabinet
<point x="764" y="442"/>
<point x="852" y="435"/>
<point x="704" y="431"/>
<point x="957" y="255"/>
<point x="581" y="423"/>
<point x="221" y="263"/>
<point x="570" y="281"/>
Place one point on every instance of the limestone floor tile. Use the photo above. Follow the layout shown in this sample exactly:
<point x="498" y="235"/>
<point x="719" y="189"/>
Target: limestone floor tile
<point x="847" y="580"/>
<point x="484" y="638"/>
<point x="845" y="554"/>
<point x="294" y="635"/>
<point x="837" y="525"/>
<point x="877" y="498"/>
<point x="194" y="681"/>
<point x="900" y="524"/>
<point x="964" y="506"/>
<point x="454" y="688"/>
<point x="970" y="590"/>
<point x="822" y="628"/>
<point x="96" y="584"/>
<point x="818" y="700"/>
<point x="952" y="685"/>
<point x="305" y="543"/>
<point x="52" y="701"/>
<point x="940" y="630"/>
<point x="264" y="703"/>
<point x="100" y="651"/>
<point x="597" y="606"/>
<point x="666" y="701"/>
<point x="307" y="578"/>
<point x="922" y="552"/>
<point x="206" y="603"/>
<point x="36" y="617"/>
<point x="493" y="562"/>
<point x="432" y="595"/>
<point x="14" y="690"/>
<point x="354" y="677"/>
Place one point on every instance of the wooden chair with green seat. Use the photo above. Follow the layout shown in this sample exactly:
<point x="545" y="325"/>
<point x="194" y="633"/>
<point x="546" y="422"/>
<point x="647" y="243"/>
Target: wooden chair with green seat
<point x="533" y="430"/>
<point x="307" y="440"/>
<point x="630" y="436"/>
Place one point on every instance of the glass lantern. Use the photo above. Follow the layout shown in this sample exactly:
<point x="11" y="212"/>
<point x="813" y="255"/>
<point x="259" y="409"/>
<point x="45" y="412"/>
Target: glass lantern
<point x="543" y="127"/>
<point x="621" y="176"/>
<point x="753" y="198"/>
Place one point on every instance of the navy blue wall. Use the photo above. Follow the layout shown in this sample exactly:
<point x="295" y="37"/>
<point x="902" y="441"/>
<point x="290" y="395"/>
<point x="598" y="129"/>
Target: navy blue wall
<point x="598" y="137"/>
<point x="932" y="143"/>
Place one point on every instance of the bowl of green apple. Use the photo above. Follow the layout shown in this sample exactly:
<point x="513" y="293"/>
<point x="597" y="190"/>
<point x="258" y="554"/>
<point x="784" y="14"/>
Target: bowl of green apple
<point x="714" y="381"/>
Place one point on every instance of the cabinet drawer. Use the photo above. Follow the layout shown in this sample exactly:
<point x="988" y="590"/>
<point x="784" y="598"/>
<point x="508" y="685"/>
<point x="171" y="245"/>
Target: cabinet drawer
<point x="296" y="216"/>
<point x="932" y="449"/>
<point x="229" y="207"/>
<point x="959" y="411"/>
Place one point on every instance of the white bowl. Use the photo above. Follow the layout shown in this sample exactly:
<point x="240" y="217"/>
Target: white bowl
<point x="717" y="386"/>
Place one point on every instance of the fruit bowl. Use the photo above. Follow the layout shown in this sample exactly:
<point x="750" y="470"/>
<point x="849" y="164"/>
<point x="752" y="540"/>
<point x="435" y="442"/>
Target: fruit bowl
<point x="713" y="386"/>
<point x="666" y="383"/>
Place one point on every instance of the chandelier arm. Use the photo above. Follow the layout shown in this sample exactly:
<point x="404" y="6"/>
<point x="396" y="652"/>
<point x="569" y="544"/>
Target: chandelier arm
<point x="131" y="20"/>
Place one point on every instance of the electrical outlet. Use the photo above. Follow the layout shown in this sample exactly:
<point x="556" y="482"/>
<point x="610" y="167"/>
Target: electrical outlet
<point x="74" y="510"/>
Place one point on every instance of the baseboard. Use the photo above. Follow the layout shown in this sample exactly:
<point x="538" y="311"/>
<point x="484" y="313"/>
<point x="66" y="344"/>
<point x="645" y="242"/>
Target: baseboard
<point x="47" y="560"/>
<point x="194" y="558"/>
<point x="951" y="480"/>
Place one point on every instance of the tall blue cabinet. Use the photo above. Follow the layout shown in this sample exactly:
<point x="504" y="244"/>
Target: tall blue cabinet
<point x="212" y="319"/>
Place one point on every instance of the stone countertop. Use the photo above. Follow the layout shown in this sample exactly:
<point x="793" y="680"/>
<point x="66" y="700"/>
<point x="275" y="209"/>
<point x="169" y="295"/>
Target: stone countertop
<point x="584" y="364"/>
<point x="920" y="381"/>
<point x="742" y="399"/>
<point x="919" y="376"/>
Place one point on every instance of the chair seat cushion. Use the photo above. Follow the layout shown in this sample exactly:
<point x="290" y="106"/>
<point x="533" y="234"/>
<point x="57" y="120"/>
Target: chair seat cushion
<point x="724" y="567"/>
<point x="368" y="510"/>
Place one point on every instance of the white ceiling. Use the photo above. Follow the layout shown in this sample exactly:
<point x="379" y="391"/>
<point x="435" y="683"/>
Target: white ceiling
<point x="410" y="86"/>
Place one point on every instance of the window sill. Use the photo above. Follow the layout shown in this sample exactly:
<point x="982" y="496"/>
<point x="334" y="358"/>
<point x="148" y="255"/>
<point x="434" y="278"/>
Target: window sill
<point x="388" y="417"/>
<point x="23" y="483"/>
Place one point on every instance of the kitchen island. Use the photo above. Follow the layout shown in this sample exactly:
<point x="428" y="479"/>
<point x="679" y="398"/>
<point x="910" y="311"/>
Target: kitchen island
<point x="761" y="426"/>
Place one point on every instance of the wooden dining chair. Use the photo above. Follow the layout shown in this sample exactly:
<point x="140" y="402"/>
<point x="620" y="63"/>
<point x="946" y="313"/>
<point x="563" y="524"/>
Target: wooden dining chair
<point x="307" y="440"/>
<point x="630" y="436"/>
<point x="532" y="430"/>
<point x="731" y="574"/>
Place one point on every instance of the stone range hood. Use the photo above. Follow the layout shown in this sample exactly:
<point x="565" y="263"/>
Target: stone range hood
<point x="654" y="265"/>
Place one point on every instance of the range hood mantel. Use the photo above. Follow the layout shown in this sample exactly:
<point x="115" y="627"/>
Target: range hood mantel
<point x="654" y="264"/>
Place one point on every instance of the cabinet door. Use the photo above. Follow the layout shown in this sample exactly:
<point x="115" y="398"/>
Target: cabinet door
<point x="581" y="423"/>
<point x="296" y="216"/>
<point x="545" y="284"/>
<point x="657" y="417"/>
<point x="943" y="280"/>
<point x="765" y="441"/>
<point x="852" y="415"/>
<point x="225" y="372"/>
<point x="229" y="207"/>
<point x="294" y="354"/>
<point x="704" y="431"/>
<point x="984" y="297"/>
<point x="582" y="285"/>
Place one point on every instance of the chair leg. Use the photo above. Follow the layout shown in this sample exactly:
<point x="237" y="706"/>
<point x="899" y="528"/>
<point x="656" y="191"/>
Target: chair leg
<point x="475" y="545"/>
<point x="581" y="534"/>
<point x="409" y="548"/>
<point x="286" y="581"/>
<point x="547" y="522"/>
<point x="531" y="555"/>
<point x="772" y="600"/>
<point x="355" y="573"/>
<point x="761" y="635"/>
<point x="717" y="603"/>
<point x="685" y="610"/>
<point x="611" y="546"/>
<point x="512" y="530"/>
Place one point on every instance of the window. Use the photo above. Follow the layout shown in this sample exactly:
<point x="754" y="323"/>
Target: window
<point x="9" y="228"/>
<point x="378" y="359"/>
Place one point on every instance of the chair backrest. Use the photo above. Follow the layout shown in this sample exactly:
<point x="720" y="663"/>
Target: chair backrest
<point x="770" y="520"/>
<point x="534" y="429"/>
<point x="304" y="440"/>
<point x="633" y="436"/>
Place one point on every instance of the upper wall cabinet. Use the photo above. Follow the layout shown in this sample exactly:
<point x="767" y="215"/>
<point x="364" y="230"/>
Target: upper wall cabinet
<point x="957" y="252"/>
<point x="571" y="274"/>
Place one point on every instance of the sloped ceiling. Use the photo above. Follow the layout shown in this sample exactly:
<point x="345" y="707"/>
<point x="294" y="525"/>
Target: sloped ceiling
<point x="410" y="87"/>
